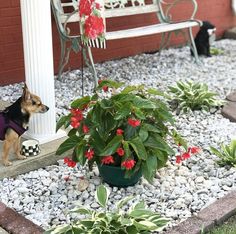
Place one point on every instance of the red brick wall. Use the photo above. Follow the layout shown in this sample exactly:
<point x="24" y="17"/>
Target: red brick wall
<point x="11" y="48"/>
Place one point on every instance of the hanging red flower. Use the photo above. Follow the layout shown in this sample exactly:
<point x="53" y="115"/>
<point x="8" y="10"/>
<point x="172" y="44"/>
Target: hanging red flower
<point x="119" y="132"/>
<point x="120" y="152"/>
<point x="85" y="7"/>
<point x="93" y="26"/>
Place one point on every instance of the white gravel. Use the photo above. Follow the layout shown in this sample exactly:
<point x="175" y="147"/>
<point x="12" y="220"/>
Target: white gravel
<point x="178" y="191"/>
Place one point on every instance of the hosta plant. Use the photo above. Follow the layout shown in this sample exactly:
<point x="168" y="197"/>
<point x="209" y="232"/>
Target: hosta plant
<point x="138" y="219"/>
<point x="193" y="96"/>
<point x="121" y="126"/>
<point x="227" y="154"/>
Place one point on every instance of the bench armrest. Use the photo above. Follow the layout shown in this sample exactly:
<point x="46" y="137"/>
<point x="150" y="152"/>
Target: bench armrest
<point x="165" y="14"/>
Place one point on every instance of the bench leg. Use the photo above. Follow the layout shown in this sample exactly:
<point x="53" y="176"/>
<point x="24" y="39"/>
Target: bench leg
<point x="193" y="46"/>
<point x="65" y="54"/>
<point x="165" y="39"/>
<point x="90" y="64"/>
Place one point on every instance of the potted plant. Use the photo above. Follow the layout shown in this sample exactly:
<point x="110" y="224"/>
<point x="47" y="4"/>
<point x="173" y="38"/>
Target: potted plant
<point x="120" y="128"/>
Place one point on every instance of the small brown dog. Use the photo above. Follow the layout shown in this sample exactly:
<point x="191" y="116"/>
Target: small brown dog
<point x="14" y="122"/>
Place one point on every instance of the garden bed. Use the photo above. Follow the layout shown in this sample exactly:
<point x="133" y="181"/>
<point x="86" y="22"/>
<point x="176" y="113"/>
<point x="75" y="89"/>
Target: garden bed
<point x="178" y="191"/>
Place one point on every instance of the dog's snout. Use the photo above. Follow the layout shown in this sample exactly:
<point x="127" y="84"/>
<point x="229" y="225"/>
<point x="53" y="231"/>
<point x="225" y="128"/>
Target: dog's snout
<point x="44" y="109"/>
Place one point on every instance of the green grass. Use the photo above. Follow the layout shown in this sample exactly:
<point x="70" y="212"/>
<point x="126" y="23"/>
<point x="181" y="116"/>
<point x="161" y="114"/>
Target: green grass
<point x="228" y="227"/>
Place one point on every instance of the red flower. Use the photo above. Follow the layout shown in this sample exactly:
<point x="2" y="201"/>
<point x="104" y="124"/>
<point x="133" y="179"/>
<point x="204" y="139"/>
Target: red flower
<point x="85" y="7"/>
<point x="134" y="122"/>
<point x="77" y="113"/>
<point x="195" y="150"/>
<point x="69" y="162"/>
<point x="97" y="6"/>
<point x="107" y="160"/>
<point x="93" y="27"/>
<point x="89" y="154"/>
<point x="105" y="88"/>
<point x="66" y="160"/>
<point x="178" y="159"/>
<point x="120" y="152"/>
<point x="185" y="155"/>
<point x="85" y="129"/>
<point x="119" y="132"/>
<point x="100" y="81"/>
<point x="74" y="122"/>
<point x="128" y="164"/>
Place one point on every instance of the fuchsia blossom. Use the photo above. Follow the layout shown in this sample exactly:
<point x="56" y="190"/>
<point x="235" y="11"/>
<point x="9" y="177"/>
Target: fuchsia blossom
<point x="186" y="155"/>
<point x="128" y="164"/>
<point x="120" y="151"/>
<point x="89" y="154"/>
<point x="107" y="159"/>
<point x="134" y="122"/>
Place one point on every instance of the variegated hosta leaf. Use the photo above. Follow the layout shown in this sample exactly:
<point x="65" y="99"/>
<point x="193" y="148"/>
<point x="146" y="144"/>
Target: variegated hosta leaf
<point x="101" y="195"/>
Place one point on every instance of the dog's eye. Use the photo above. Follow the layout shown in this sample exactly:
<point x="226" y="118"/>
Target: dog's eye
<point x="33" y="102"/>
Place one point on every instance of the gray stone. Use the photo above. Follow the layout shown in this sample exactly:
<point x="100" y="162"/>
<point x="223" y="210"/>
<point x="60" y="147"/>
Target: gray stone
<point x="230" y="33"/>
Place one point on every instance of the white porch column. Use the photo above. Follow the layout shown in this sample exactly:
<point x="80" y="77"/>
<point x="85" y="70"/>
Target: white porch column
<point x="38" y="58"/>
<point x="234" y="6"/>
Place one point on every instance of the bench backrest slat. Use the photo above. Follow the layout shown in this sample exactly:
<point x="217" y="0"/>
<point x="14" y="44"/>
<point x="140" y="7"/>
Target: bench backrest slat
<point x="113" y="8"/>
<point x="131" y="10"/>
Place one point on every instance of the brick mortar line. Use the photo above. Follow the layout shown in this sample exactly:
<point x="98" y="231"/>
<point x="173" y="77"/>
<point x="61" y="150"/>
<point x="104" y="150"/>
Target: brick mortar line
<point x="213" y="215"/>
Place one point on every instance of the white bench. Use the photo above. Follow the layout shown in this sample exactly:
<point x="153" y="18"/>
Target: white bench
<point x="120" y="8"/>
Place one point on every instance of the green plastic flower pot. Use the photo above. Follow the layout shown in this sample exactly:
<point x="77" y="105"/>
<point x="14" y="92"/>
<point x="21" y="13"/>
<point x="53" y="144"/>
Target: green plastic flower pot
<point x="115" y="176"/>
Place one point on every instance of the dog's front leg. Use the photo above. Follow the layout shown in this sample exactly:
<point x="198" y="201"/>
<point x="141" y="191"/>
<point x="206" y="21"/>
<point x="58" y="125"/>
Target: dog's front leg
<point x="17" y="149"/>
<point x="5" y="155"/>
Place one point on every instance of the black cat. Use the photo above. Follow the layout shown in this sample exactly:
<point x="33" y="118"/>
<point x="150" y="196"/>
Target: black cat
<point x="202" y="39"/>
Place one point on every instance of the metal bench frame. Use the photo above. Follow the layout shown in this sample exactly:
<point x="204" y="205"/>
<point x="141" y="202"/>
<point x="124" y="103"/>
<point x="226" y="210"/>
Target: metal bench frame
<point x="119" y="8"/>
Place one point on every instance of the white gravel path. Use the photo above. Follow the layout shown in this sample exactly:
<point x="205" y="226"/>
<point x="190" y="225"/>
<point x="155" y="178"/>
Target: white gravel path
<point x="178" y="191"/>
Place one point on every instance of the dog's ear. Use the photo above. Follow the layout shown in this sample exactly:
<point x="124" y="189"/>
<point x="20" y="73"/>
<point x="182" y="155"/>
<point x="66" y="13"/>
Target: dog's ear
<point x="26" y="93"/>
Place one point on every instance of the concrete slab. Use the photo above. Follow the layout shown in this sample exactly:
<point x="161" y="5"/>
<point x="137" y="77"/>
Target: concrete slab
<point x="2" y="231"/>
<point x="46" y="157"/>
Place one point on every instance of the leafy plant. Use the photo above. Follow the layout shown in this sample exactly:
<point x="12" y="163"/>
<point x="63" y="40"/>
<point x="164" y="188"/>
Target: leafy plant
<point x="138" y="219"/>
<point x="227" y="154"/>
<point x="193" y="96"/>
<point x="121" y="126"/>
<point x="216" y="51"/>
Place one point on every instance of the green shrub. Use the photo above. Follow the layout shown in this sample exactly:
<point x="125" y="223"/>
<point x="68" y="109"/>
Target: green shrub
<point x="138" y="219"/>
<point x="227" y="154"/>
<point x="216" y="51"/>
<point x="193" y="96"/>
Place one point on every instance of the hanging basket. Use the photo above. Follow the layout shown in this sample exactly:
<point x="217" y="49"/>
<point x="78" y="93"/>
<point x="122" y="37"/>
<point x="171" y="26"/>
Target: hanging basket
<point x="115" y="176"/>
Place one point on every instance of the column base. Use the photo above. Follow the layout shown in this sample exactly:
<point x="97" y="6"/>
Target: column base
<point x="42" y="139"/>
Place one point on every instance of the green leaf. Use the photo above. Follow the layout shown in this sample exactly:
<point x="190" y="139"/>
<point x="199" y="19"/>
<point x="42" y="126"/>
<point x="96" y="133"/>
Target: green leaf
<point x="81" y="210"/>
<point x="123" y="202"/>
<point x="59" y="229"/>
<point x="123" y="112"/>
<point x="112" y="146"/>
<point x="64" y="120"/>
<point x="143" y="103"/>
<point x="143" y="134"/>
<point x="102" y="195"/>
<point x="145" y="225"/>
<point x="139" y="148"/>
<point x="68" y="144"/>
<point x="79" y="103"/>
